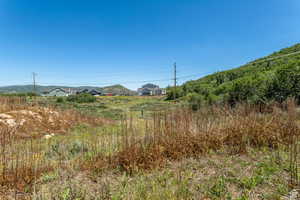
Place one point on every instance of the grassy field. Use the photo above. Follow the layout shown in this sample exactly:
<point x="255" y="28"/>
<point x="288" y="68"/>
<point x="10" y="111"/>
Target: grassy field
<point x="115" y="107"/>
<point x="146" y="148"/>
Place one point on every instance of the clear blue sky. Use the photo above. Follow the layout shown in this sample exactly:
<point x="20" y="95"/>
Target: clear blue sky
<point x="102" y="42"/>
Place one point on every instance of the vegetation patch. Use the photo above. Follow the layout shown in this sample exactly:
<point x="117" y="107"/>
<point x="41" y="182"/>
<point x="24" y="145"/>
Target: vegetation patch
<point x="257" y="82"/>
<point x="217" y="152"/>
<point x="82" y="98"/>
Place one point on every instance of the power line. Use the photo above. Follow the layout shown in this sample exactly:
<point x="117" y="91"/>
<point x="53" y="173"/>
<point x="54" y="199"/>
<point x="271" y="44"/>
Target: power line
<point x="157" y="80"/>
<point x="114" y="83"/>
<point x="273" y="58"/>
<point x="254" y="62"/>
<point x="108" y="83"/>
<point x="193" y="75"/>
<point x="128" y="82"/>
<point x="105" y="74"/>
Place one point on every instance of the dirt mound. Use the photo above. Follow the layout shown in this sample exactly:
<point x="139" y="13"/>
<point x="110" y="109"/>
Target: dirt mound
<point x="40" y="121"/>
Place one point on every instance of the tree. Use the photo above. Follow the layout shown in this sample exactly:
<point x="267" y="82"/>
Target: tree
<point x="286" y="83"/>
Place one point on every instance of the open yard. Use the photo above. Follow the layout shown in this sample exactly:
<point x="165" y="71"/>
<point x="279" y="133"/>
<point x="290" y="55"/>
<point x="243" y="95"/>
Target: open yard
<point x="146" y="148"/>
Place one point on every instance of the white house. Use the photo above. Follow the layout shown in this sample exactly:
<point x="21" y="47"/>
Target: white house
<point x="57" y="92"/>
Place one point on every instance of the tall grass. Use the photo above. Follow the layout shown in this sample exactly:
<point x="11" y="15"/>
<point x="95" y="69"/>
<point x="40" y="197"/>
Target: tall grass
<point x="21" y="162"/>
<point x="11" y="103"/>
<point x="23" y="157"/>
<point x="183" y="133"/>
<point x="144" y="144"/>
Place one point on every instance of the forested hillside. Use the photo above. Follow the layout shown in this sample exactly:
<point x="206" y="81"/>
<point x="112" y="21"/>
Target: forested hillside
<point x="272" y="78"/>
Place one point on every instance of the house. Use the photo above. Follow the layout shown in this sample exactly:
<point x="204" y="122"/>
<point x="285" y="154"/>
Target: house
<point x="144" y="92"/>
<point x="93" y="92"/>
<point x="57" y="92"/>
<point x="151" y="90"/>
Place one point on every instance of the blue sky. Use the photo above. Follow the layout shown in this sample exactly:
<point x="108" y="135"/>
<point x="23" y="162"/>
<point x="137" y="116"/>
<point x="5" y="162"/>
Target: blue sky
<point x="103" y="42"/>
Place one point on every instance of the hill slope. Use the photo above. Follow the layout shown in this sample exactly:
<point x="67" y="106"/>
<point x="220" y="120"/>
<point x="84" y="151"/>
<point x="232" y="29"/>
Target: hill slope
<point x="275" y="77"/>
<point x="115" y="89"/>
<point x="118" y="89"/>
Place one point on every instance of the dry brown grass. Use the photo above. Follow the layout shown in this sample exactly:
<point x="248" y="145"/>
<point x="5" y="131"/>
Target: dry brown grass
<point x="183" y="133"/>
<point x="19" y="167"/>
<point x="22" y="126"/>
<point x="12" y="103"/>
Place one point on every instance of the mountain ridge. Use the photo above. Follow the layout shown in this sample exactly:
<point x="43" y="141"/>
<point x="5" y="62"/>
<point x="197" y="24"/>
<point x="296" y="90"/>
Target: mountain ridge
<point x="115" y="89"/>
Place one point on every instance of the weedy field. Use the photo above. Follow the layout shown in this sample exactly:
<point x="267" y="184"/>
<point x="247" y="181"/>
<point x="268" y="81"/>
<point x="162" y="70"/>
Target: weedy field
<point x="146" y="148"/>
<point x="113" y="107"/>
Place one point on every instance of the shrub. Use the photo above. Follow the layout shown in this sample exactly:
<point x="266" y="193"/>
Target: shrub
<point x="170" y="93"/>
<point x="60" y="100"/>
<point x="82" y="98"/>
<point x="195" y="100"/>
<point x="286" y="83"/>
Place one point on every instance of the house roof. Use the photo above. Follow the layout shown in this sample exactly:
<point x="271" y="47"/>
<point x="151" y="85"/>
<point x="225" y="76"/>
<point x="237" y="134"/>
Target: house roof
<point x="89" y="91"/>
<point x="83" y="90"/>
<point x="150" y="86"/>
<point x="63" y="90"/>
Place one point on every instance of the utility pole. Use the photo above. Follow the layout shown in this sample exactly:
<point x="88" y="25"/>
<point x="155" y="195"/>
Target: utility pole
<point x="34" y="83"/>
<point x="175" y="81"/>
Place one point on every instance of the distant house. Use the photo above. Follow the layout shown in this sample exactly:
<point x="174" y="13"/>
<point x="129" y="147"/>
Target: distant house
<point x="151" y="90"/>
<point x="145" y="92"/>
<point x="82" y="91"/>
<point x="93" y="92"/>
<point x="57" y="92"/>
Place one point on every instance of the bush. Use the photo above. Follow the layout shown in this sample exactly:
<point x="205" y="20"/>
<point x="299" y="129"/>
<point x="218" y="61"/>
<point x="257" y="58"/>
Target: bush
<point x="286" y="83"/>
<point x="60" y="100"/>
<point x="170" y="93"/>
<point x="195" y="100"/>
<point x="212" y="99"/>
<point x="82" y="98"/>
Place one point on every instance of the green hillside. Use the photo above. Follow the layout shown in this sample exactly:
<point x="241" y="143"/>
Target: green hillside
<point x="275" y="77"/>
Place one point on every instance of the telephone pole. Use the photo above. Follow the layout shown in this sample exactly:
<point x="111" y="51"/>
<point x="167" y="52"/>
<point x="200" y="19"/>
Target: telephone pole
<point x="175" y="81"/>
<point x="34" y="83"/>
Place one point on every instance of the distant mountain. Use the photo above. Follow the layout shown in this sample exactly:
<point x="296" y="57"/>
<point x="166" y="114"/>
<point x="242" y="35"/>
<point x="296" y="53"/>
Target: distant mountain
<point x="118" y="90"/>
<point x="114" y="89"/>
<point x="25" y="88"/>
